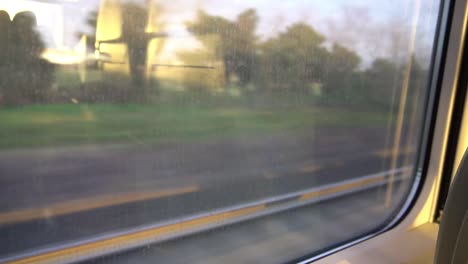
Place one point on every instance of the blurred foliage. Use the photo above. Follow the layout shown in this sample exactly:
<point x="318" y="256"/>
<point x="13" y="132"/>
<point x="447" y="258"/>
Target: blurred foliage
<point x="298" y="61"/>
<point x="293" y="60"/>
<point x="26" y="77"/>
<point x="237" y="41"/>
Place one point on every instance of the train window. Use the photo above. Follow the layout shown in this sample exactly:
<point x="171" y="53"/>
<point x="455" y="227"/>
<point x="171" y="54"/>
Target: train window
<point x="208" y="131"/>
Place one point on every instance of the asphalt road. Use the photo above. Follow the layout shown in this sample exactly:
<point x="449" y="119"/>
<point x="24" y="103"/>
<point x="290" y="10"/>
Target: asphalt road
<point x="280" y="238"/>
<point x="51" y="197"/>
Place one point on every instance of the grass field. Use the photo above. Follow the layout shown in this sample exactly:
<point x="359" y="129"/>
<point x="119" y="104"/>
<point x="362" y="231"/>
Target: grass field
<point x="76" y="124"/>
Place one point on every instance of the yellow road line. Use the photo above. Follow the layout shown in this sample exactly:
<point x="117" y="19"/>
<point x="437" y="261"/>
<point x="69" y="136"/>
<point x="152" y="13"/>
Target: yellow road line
<point x="310" y="168"/>
<point x="151" y="235"/>
<point x="134" y="238"/>
<point x="340" y="188"/>
<point x="388" y="153"/>
<point x="86" y="204"/>
<point x="269" y="175"/>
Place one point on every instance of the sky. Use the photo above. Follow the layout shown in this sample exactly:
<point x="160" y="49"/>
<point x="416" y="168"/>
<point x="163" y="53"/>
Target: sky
<point x="366" y="26"/>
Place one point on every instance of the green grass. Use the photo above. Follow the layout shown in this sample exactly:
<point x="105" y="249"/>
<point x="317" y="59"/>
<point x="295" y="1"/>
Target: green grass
<point x="59" y="125"/>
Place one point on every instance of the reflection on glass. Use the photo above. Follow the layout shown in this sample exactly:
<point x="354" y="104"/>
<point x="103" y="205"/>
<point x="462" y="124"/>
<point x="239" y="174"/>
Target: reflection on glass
<point x="119" y="115"/>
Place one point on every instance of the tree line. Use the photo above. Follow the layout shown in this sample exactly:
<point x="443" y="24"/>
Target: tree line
<point x="298" y="60"/>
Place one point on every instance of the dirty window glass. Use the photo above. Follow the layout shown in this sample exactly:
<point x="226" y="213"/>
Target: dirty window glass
<point x="246" y="131"/>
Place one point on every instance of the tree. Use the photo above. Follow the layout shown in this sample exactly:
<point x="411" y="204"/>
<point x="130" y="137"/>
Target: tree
<point x="293" y="60"/>
<point x="236" y="41"/>
<point x="245" y="45"/>
<point x="5" y="26"/>
<point x="28" y="77"/>
<point x="418" y="76"/>
<point x="341" y="68"/>
<point x="383" y="81"/>
<point x="357" y="28"/>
